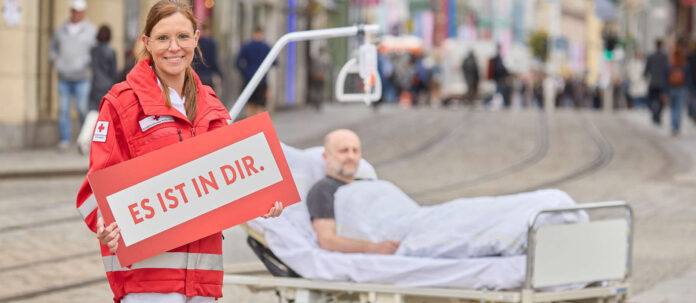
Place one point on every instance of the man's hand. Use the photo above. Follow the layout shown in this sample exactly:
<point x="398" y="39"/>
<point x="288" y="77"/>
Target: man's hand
<point x="108" y="236"/>
<point x="384" y="248"/>
<point x="275" y="211"/>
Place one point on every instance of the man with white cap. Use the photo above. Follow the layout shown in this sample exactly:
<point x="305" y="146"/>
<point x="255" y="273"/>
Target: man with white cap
<point x="70" y="55"/>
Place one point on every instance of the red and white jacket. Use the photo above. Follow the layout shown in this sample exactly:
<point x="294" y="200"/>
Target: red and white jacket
<point x="139" y="122"/>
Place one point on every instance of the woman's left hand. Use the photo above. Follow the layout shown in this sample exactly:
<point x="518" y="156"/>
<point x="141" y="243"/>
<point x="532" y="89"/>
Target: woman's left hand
<point x="275" y="211"/>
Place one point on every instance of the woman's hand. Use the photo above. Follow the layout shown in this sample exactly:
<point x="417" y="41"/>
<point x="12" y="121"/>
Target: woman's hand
<point x="109" y="235"/>
<point x="275" y="210"/>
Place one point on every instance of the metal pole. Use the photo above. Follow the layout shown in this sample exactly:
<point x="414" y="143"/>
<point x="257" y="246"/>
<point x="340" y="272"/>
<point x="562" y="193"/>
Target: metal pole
<point x="280" y="44"/>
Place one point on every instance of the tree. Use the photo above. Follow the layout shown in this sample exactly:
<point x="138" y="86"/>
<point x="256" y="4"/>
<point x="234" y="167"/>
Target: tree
<point x="539" y="44"/>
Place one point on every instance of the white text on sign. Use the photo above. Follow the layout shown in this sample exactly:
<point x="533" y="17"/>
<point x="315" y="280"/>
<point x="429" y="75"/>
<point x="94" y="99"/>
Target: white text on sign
<point x="193" y="189"/>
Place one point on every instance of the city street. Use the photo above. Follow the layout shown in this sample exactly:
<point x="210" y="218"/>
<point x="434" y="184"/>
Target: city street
<point x="433" y="154"/>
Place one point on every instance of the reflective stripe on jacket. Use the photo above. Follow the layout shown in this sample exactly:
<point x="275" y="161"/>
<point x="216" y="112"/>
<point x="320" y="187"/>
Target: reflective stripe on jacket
<point x="194" y="269"/>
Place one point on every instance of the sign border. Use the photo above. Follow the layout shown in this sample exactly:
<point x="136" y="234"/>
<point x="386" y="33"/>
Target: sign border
<point x="118" y="177"/>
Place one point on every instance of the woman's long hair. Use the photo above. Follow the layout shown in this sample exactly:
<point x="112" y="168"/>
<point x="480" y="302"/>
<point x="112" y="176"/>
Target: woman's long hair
<point x="161" y="10"/>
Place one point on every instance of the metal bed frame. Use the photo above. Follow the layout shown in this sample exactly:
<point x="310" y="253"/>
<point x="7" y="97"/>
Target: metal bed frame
<point x="596" y="243"/>
<point x="599" y="253"/>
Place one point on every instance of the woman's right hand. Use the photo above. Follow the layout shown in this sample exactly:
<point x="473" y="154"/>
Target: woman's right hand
<point x="108" y="235"/>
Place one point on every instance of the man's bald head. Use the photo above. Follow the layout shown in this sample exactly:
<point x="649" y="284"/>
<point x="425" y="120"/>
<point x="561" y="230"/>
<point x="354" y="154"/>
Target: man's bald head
<point x="340" y="135"/>
<point x="342" y="153"/>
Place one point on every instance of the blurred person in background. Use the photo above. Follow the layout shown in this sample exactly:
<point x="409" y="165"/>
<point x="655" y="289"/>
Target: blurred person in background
<point x="656" y="69"/>
<point x="405" y="71"/>
<point x="103" y="67"/>
<point x="471" y="76"/>
<point x="386" y="75"/>
<point x="435" y="79"/>
<point x="420" y="80"/>
<point x="318" y="74"/>
<point x="501" y="76"/>
<point x="691" y="64"/>
<point x="637" y="84"/>
<point x="207" y="67"/>
<point x="128" y="63"/>
<point x="70" y="56"/>
<point x="248" y="61"/>
<point x="677" y="79"/>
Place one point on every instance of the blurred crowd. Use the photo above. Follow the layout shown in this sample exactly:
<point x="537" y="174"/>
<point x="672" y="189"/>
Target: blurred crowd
<point x="663" y="78"/>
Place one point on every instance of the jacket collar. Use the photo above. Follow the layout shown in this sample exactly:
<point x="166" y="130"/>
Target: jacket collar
<point x="143" y="81"/>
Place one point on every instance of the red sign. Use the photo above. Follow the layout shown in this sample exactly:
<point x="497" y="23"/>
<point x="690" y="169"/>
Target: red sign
<point x="195" y="188"/>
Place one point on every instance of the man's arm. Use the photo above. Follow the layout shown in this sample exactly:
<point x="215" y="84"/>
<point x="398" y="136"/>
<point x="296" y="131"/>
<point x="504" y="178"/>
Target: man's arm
<point x="325" y="228"/>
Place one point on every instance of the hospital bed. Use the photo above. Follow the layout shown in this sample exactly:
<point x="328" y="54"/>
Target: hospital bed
<point x="587" y="261"/>
<point x="581" y="262"/>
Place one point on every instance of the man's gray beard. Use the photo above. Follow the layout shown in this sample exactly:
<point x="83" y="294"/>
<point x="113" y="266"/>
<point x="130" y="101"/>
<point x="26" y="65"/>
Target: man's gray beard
<point x="343" y="173"/>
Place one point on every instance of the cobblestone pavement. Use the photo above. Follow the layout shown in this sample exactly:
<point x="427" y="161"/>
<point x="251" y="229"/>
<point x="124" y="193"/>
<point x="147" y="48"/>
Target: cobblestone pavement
<point x="47" y="255"/>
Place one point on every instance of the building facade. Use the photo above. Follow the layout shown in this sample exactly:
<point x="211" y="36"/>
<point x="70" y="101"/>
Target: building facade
<point x="30" y="107"/>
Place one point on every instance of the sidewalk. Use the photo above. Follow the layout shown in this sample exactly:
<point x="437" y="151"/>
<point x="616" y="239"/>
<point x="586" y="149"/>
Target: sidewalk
<point x="677" y="290"/>
<point x="42" y="163"/>
<point x="291" y="126"/>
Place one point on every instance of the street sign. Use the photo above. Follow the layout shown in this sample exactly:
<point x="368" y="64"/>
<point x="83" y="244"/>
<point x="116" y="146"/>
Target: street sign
<point x="195" y="188"/>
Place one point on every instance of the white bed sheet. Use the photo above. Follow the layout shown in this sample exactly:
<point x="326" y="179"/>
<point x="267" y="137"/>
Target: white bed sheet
<point x="293" y="240"/>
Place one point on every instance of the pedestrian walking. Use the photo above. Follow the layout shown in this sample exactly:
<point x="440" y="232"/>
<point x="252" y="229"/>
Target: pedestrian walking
<point x="637" y="85"/>
<point x="205" y="63"/>
<point x="691" y="65"/>
<point x="128" y="64"/>
<point x="471" y="76"/>
<point x="386" y="75"/>
<point x="656" y="69"/>
<point x="501" y="76"/>
<point x="677" y="79"/>
<point x="319" y="72"/>
<point x="161" y="103"/>
<point x="70" y="56"/>
<point x="248" y="61"/>
<point x="103" y="66"/>
<point x="419" y="81"/>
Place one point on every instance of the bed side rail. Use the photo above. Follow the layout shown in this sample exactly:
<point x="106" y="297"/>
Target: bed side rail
<point x="582" y="252"/>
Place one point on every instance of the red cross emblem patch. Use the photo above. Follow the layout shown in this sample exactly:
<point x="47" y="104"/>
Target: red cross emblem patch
<point x="100" y="131"/>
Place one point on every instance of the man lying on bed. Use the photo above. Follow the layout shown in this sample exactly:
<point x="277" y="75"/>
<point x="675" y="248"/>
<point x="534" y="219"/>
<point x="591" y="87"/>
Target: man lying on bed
<point x="375" y="216"/>
<point x="342" y="155"/>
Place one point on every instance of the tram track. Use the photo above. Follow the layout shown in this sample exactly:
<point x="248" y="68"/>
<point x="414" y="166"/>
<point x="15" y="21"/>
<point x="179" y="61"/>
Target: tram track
<point x="432" y="141"/>
<point x="51" y="290"/>
<point x="541" y="148"/>
<point x="540" y="151"/>
<point x="602" y="158"/>
<point x="39" y="224"/>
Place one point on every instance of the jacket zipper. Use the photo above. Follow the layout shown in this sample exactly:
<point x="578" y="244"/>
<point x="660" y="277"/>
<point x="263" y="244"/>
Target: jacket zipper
<point x="193" y="129"/>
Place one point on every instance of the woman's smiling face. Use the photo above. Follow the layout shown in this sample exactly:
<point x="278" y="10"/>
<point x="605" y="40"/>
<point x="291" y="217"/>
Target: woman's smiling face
<point x="172" y="42"/>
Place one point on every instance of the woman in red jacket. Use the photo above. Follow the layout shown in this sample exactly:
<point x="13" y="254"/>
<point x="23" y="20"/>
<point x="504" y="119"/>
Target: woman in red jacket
<point x="161" y="102"/>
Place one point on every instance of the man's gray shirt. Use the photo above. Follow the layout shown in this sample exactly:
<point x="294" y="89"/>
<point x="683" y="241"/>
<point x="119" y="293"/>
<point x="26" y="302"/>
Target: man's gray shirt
<point x="71" y="52"/>
<point x="320" y="199"/>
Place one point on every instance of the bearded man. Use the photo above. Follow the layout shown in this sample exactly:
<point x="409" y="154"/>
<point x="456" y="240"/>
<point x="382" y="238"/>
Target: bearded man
<point x="342" y="155"/>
